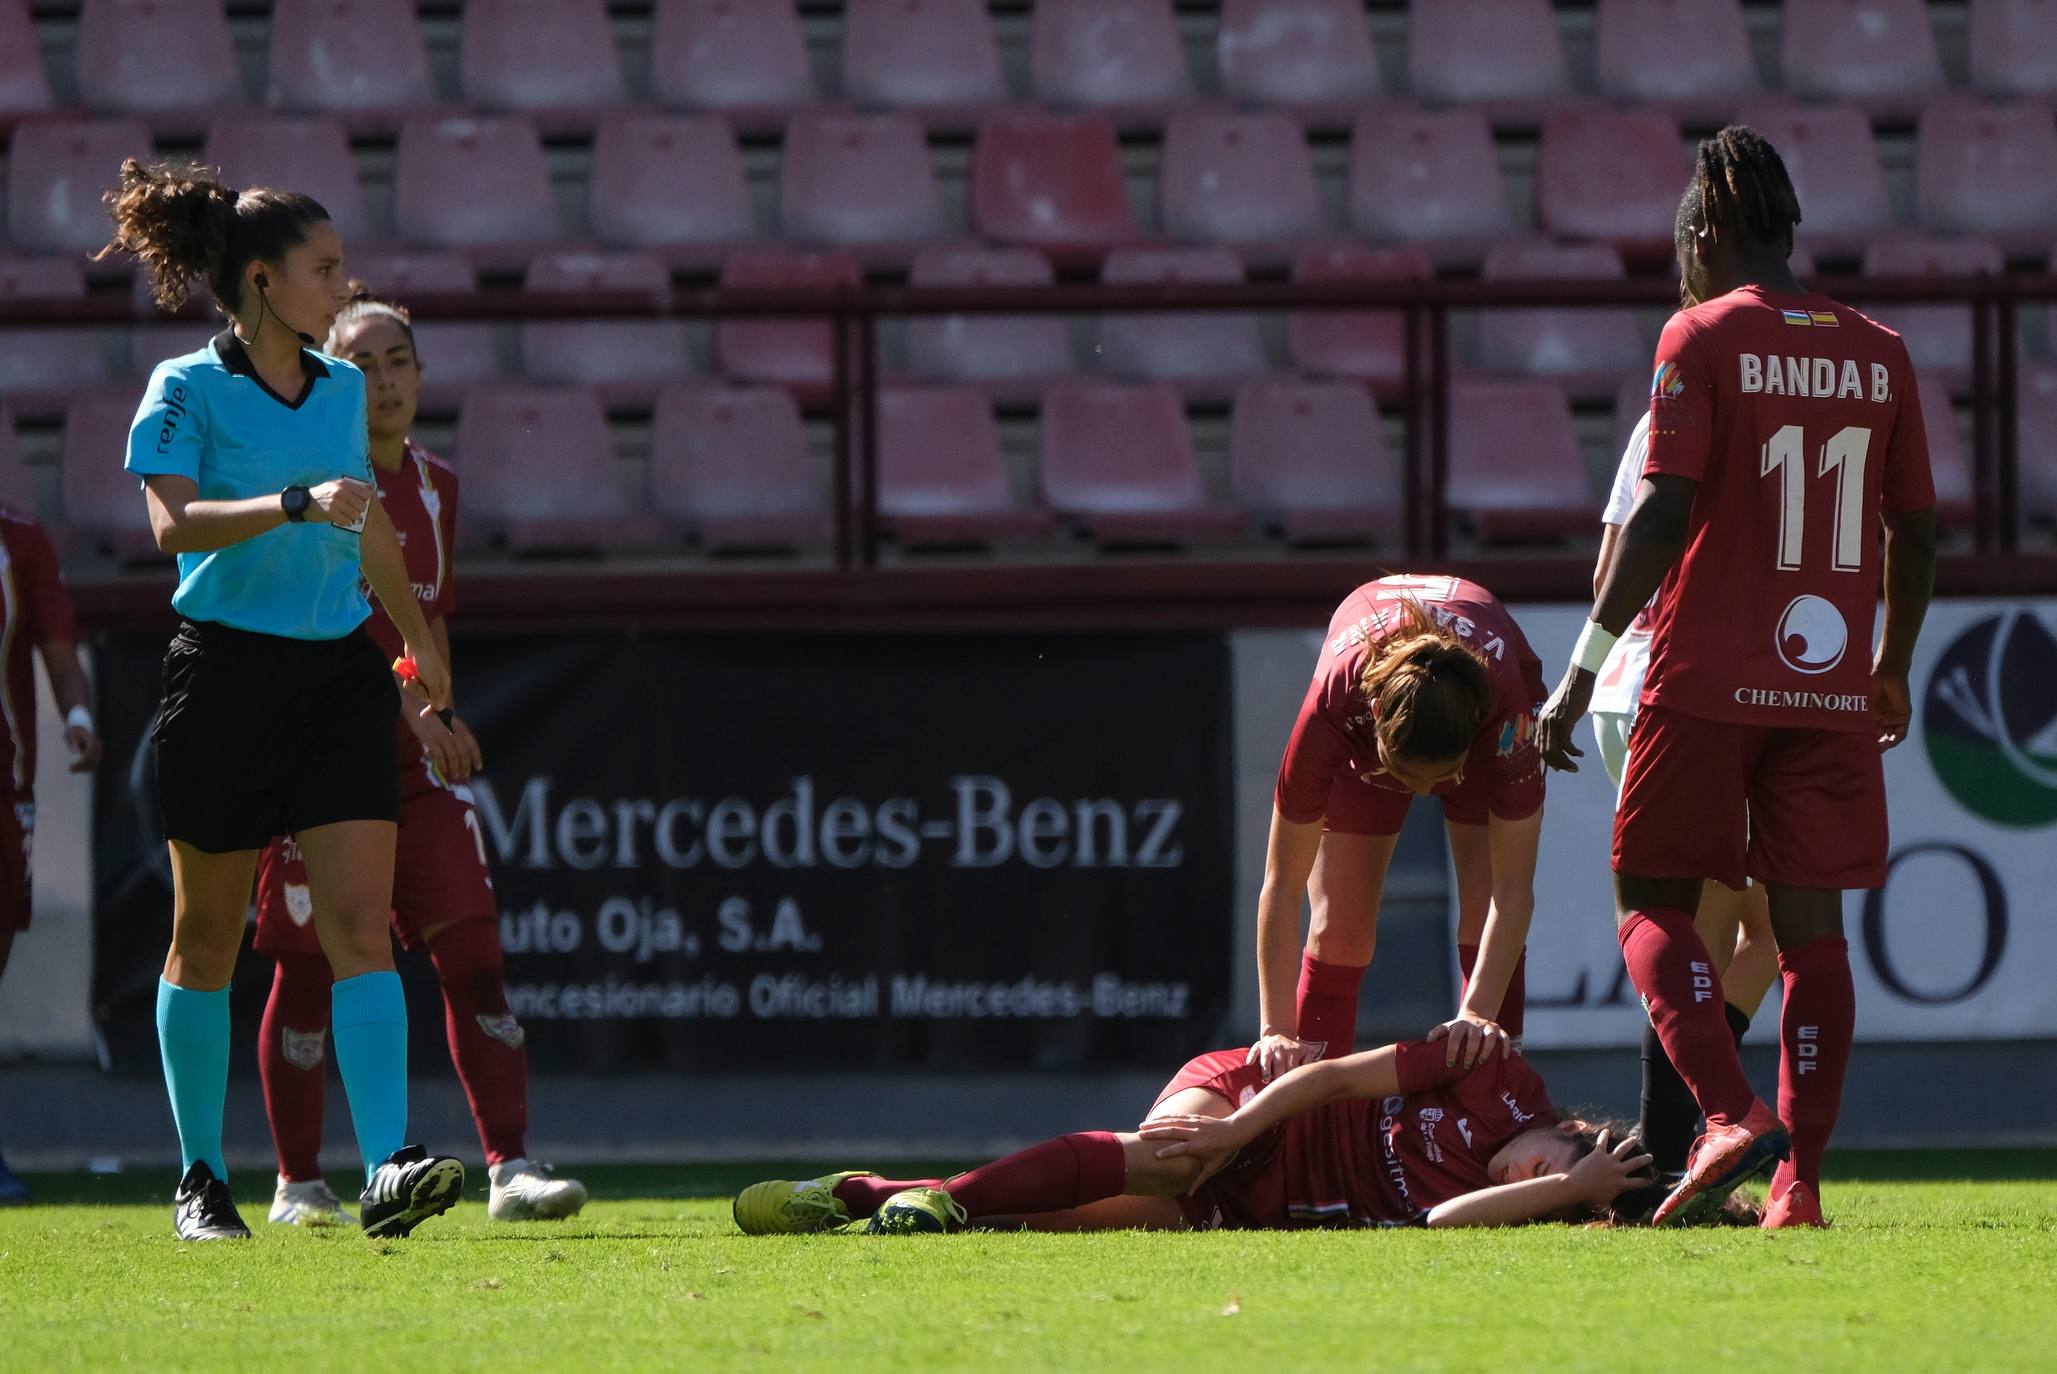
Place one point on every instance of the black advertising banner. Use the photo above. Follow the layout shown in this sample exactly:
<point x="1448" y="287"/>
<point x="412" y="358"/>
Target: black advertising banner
<point x="808" y="852"/>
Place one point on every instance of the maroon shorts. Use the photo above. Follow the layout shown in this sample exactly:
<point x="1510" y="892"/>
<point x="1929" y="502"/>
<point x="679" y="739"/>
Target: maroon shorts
<point x="440" y="874"/>
<point x="1357" y="807"/>
<point x="17" y="837"/>
<point x="1708" y="799"/>
<point x="1228" y="1074"/>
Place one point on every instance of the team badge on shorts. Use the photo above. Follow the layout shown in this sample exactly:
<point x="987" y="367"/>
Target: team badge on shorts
<point x="299" y="903"/>
<point x="505" y="1029"/>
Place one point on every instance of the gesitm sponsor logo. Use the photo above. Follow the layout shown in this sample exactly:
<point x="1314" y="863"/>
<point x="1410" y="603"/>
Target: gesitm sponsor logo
<point x="1989" y="719"/>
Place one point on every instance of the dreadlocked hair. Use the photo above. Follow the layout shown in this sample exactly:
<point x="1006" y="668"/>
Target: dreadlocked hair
<point x="184" y="225"/>
<point x="366" y="304"/>
<point x="1428" y="689"/>
<point x="1739" y="188"/>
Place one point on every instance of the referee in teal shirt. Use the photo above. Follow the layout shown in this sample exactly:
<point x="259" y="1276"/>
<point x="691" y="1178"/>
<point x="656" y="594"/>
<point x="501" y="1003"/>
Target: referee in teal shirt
<point x="277" y="716"/>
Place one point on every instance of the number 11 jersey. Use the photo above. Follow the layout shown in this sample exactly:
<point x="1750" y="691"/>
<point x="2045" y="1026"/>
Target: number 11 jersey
<point x="1800" y="420"/>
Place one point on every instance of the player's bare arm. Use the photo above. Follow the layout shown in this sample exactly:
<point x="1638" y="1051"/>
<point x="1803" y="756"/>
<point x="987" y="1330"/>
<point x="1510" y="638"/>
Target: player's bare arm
<point x="1215" y="1140"/>
<point x="75" y="699"/>
<point x="1594" y="1181"/>
<point x="1289" y="859"/>
<point x="1475" y="1033"/>
<point x="385" y="568"/>
<point x="1910" y="578"/>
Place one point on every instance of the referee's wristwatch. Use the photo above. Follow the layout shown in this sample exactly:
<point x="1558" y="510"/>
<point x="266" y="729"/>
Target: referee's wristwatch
<point x="294" y="502"/>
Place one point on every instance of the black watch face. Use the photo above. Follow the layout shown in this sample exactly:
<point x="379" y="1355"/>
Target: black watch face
<point x="296" y="501"/>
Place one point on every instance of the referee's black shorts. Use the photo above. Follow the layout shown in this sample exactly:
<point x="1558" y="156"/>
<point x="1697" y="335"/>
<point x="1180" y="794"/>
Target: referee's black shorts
<point x="260" y="735"/>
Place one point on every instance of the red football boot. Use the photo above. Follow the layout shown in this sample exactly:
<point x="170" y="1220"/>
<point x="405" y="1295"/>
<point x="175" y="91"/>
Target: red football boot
<point x="1726" y="1156"/>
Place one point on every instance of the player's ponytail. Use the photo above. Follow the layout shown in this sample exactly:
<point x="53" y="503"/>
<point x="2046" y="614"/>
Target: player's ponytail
<point x="1739" y="188"/>
<point x="1428" y="690"/>
<point x="184" y="225"/>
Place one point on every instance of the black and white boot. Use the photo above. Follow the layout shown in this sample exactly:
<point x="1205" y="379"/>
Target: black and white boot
<point x="203" y="1210"/>
<point x="409" y="1188"/>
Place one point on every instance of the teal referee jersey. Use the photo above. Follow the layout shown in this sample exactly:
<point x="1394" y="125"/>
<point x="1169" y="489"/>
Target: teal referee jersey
<point x="210" y="417"/>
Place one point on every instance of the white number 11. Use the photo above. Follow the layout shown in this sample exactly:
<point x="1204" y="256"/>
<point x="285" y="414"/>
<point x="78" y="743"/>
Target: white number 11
<point x="1844" y="453"/>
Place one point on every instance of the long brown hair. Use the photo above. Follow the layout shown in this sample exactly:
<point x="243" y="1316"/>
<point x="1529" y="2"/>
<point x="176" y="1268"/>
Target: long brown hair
<point x="1428" y="689"/>
<point x="183" y="224"/>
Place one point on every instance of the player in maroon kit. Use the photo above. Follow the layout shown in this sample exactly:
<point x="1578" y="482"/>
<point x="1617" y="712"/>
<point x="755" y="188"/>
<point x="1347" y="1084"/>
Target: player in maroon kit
<point x="1424" y="686"/>
<point x="442" y="887"/>
<point x="35" y="616"/>
<point x="1784" y="431"/>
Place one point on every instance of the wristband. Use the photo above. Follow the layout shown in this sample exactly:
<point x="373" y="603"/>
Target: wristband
<point x="1594" y="644"/>
<point x="79" y="718"/>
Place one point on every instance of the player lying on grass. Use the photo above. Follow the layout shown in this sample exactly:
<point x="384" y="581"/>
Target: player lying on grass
<point x="1398" y="1136"/>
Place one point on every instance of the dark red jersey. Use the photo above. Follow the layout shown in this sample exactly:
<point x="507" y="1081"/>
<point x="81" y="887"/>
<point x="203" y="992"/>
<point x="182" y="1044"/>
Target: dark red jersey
<point x="1333" y="736"/>
<point x="1799" y="420"/>
<point x="421" y="501"/>
<point x="35" y="609"/>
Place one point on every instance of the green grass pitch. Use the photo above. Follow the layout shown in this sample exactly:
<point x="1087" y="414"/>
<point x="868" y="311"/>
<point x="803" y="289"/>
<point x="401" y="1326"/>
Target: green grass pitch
<point x="1936" y="1262"/>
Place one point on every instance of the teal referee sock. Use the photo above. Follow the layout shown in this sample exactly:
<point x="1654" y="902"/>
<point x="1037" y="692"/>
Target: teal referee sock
<point x="193" y="1037"/>
<point x="369" y="1024"/>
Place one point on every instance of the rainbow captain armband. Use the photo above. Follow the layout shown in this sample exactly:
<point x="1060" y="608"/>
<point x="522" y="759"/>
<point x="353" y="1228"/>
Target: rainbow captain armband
<point x="404" y="668"/>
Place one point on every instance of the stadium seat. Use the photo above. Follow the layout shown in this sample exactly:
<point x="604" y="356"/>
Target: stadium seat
<point x="1313" y="57"/>
<point x="731" y="467"/>
<point x="1987" y="169"/>
<point x="745" y="58"/>
<point x="1118" y="461"/>
<point x="670" y="183"/>
<point x="1010" y="355"/>
<point x="1122" y="56"/>
<point x="354" y="58"/>
<point x="936" y="58"/>
<point x="797" y="354"/>
<point x="539" y="473"/>
<point x="100" y="503"/>
<point x="539" y="55"/>
<point x="1613" y="175"/>
<point x="41" y="365"/>
<point x="24" y="85"/>
<point x="1428" y="178"/>
<point x="1586" y="349"/>
<point x="1691" y="56"/>
<point x="1502" y="54"/>
<point x="1367" y="346"/>
<point x="1515" y="471"/>
<point x="1833" y="160"/>
<point x="861" y="182"/>
<point x="1949" y="462"/>
<point x="1309" y="459"/>
<point x="15" y="489"/>
<point x="1881" y="53"/>
<point x="1053" y="182"/>
<point x="56" y="171"/>
<point x="1242" y="179"/>
<point x="479" y="185"/>
<point x="1938" y="336"/>
<point x="153" y="56"/>
<point x="2035" y="446"/>
<point x="626" y="361"/>
<point x="310" y="155"/>
<point x="942" y="473"/>
<point x="455" y="355"/>
<point x="1631" y="403"/>
<point x="2012" y="47"/>
<point x="1204" y="352"/>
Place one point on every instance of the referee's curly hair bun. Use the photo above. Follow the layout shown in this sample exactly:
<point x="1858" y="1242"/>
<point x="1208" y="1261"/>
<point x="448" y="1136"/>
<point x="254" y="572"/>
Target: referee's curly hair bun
<point x="183" y="224"/>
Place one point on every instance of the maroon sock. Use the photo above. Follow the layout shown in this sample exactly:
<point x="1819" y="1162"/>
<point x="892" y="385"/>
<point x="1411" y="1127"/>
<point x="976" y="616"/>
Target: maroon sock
<point x="866" y="1193"/>
<point x="1670" y="968"/>
<point x="1070" y="1171"/>
<point x="1514" y="1001"/>
<point x="485" y="1039"/>
<point x="1325" y="1007"/>
<point x="1814" y="1031"/>
<point x="292" y="1062"/>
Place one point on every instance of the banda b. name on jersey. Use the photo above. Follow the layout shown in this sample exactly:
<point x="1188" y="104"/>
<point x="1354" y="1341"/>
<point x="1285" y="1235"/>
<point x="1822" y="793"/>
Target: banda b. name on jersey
<point x="1827" y="378"/>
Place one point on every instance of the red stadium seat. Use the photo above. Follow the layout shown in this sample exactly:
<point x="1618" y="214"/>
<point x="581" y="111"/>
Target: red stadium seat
<point x="942" y="473"/>
<point x="348" y="56"/>
<point x="538" y="55"/>
<point x="24" y="85"/>
<point x="1119" y="461"/>
<point x="1313" y="56"/>
<point x="626" y="361"/>
<point x="1690" y="55"/>
<point x="1987" y="169"/>
<point x="15" y="489"/>
<point x="1938" y="336"/>
<point x="1833" y="161"/>
<point x="455" y="355"/>
<point x="1879" y="52"/>
<point x="991" y="349"/>
<point x="746" y="58"/>
<point x="798" y="354"/>
<point x="310" y="155"/>
<point x="1515" y="471"/>
<point x="2035" y="445"/>
<point x="1505" y="53"/>
<point x="56" y="171"/>
<point x="938" y="58"/>
<point x="1949" y="462"/>
<point x="1586" y="349"/>
<point x="100" y="503"/>
<point x="146" y="56"/>
<point x="539" y="472"/>
<point x="859" y="181"/>
<point x="1117" y="55"/>
<point x="1310" y="459"/>
<point x="1243" y="179"/>
<point x="1614" y="175"/>
<point x="40" y="366"/>
<point x="1428" y="178"/>
<point x="731" y="466"/>
<point x="1206" y="353"/>
<point x="473" y="184"/>
<point x="671" y="183"/>
<point x="1053" y="182"/>
<point x="1367" y="346"/>
<point x="2012" y="47"/>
